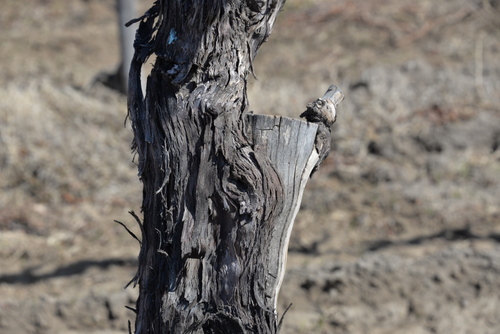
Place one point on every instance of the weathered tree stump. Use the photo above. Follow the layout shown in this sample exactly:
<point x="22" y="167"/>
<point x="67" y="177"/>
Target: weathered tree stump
<point x="126" y="10"/>
<point x="221" y="186"/>
<point x="118" y="78"/>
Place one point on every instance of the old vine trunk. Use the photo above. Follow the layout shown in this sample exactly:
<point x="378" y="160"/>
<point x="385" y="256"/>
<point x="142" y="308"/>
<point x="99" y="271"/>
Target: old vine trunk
<point x="217" y="208"/>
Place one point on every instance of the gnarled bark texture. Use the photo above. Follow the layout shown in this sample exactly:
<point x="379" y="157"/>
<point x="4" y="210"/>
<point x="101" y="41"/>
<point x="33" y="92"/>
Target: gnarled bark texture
<point x="221" y="187"/>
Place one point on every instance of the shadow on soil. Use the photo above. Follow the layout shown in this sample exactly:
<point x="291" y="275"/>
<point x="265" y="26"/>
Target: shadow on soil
<point x="29" y="275"/>
<point x="447" y="234"/>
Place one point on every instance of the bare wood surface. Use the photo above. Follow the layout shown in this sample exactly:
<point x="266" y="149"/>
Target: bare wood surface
<point x="289" y="144"/>
<point x="221" y="188"/>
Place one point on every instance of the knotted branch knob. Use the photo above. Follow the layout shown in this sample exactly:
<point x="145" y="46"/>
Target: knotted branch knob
<point x="323" y="112"/>
<point x="324" y="109"/>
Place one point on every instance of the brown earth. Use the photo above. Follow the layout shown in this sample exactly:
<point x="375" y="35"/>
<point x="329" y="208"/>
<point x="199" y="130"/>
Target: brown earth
<point x="398" y="232"/>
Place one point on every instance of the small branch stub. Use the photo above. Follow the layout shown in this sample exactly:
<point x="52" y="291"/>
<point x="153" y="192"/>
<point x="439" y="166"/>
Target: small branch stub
<point x="323" y="112"/>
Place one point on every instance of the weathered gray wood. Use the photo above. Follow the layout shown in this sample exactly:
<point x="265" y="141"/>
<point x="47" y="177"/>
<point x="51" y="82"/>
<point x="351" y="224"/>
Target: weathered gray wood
<point x="289" y="144"/>
<point x="220" y="187"/>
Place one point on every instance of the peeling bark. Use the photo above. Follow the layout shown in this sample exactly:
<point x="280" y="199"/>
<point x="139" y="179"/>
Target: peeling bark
<point x="220" y="187"/>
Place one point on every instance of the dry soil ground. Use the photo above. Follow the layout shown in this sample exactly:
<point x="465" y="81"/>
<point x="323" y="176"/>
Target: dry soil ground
<point x="398" y="232"/>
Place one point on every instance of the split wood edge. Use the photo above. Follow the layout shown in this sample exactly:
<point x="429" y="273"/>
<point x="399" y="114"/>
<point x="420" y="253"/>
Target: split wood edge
<point x="289" y="145"/>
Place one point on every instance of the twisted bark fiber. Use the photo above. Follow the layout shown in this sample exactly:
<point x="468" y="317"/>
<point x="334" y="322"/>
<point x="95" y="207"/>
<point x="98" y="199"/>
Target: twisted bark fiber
<point x="219" y="196"/>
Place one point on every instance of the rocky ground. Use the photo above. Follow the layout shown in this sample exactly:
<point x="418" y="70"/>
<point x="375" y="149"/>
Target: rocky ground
<point x="398" y="231"/>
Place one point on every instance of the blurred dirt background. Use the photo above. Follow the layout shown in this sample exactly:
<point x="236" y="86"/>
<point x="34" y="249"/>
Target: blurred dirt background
<point x="398" y="232"/>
